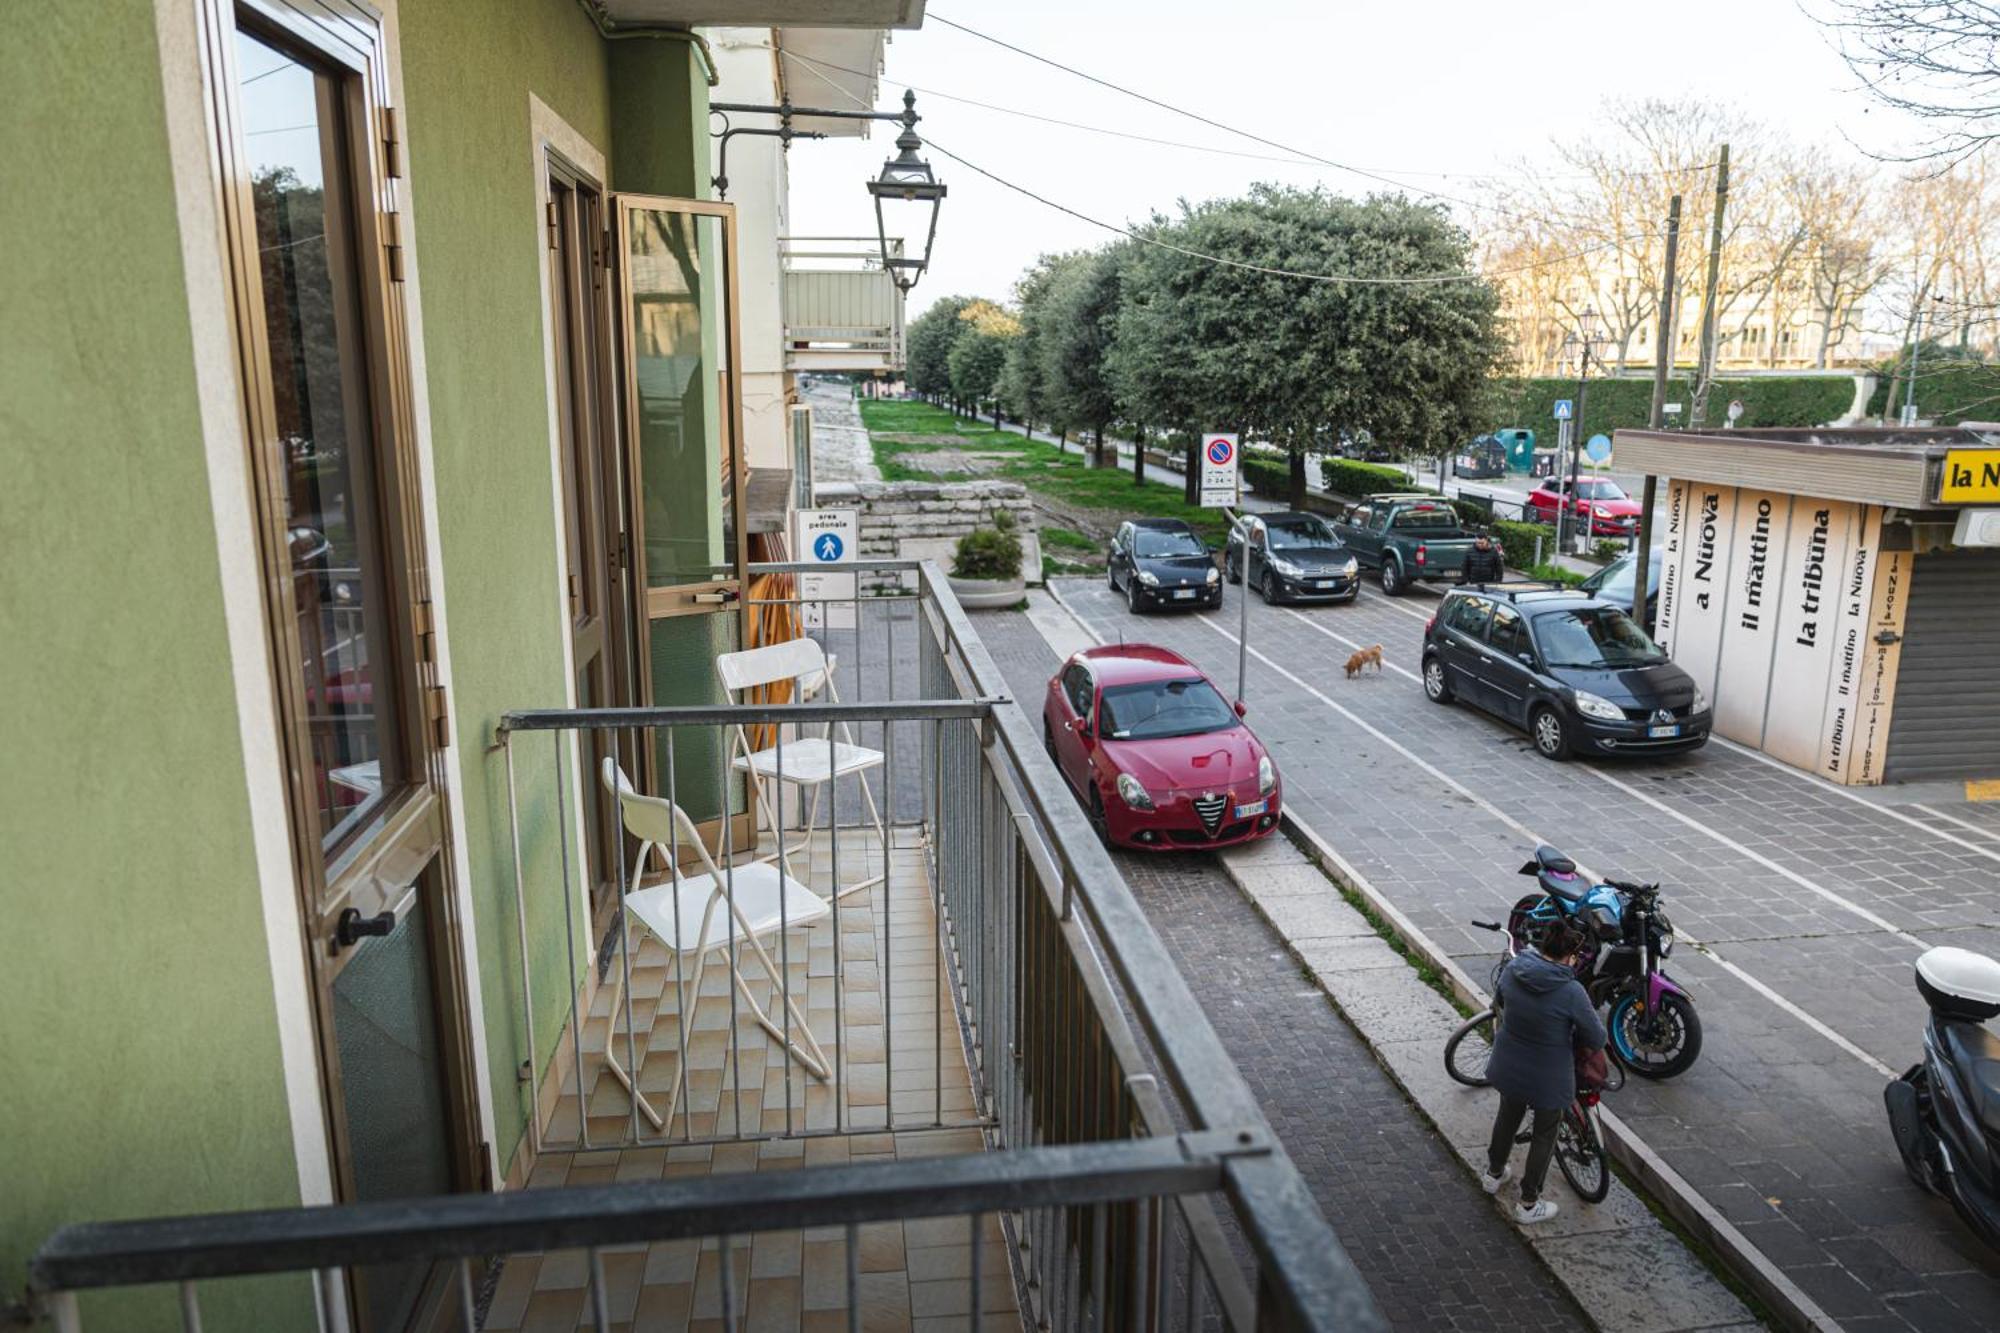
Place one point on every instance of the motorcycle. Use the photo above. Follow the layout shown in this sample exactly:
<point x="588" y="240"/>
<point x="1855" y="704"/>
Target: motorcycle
<point x="1945" y="1112"/>
<point x="1652" y="1023"/>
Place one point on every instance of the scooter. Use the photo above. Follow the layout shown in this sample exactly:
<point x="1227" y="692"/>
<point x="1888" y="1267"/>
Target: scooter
<point x="1652" y="1023"/>
<point x="1945" y="1112"/>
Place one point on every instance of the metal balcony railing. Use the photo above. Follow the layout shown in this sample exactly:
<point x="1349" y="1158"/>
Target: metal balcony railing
<point x="1111" y="1150"/>
<point x="842" y="311"/>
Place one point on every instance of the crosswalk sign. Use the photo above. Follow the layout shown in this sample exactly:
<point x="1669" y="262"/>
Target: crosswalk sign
<point x="1563" y="409"/>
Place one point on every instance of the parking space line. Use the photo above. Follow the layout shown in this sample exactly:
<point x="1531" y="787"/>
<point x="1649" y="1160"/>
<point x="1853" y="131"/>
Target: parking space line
<point x="1836" y="789"/>
<point x="1708" y="951"/>
<point x="1936" y="813"/>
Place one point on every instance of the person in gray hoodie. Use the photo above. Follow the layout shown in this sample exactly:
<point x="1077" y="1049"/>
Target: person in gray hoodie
<point x="1545" y="1019"/>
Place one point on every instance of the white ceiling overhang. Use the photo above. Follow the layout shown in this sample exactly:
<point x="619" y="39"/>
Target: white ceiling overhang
<point x="769" y="13"/>
<point x="834" y="68"/>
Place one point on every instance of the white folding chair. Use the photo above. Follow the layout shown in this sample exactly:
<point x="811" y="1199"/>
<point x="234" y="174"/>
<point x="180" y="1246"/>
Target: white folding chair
<point x="692" y="915"/>
<point x="809" y="761"/>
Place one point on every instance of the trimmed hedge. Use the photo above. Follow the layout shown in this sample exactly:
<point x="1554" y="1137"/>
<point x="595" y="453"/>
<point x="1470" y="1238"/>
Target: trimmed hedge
<point x="1345" y="477"/>
<point x="1267" y="476"/>
<point x="1948" y="391"/>
<point x="1612" y="404"/>
<point x="1517" y="542"/>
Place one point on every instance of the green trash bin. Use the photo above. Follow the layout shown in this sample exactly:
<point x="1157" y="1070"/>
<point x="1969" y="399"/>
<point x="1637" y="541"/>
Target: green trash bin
<point x="1520" y="446"/>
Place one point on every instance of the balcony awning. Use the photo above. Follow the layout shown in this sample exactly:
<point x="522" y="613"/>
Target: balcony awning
<point x="770" y="13"/>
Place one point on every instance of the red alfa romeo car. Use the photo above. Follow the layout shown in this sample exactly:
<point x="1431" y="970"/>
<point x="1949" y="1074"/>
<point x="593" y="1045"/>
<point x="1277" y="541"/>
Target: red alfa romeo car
<point x="1155" y="753"/>
<point x="1611" y="512"/>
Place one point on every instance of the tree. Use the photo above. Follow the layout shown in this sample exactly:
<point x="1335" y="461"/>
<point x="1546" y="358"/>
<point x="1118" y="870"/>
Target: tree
<point x="1078" y="322"/>
<point x="928" y="343"/>
<point x="1932" y="59"/>
<point x="979" y="354"/>
<point x="1206" y="345"/>
<point x="1023" y="380"/>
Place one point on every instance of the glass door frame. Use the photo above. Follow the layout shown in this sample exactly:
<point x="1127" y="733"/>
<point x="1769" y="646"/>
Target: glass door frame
<point x="676" y="600"/>
<point x="403" y="848"/>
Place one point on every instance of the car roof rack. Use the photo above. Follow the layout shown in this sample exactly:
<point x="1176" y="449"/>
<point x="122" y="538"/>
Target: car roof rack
<point x="1512" y="591"/>
<point x="1407" y="495"/>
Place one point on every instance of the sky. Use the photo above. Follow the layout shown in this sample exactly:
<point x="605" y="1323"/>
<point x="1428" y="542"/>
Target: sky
<point x="1429" y="94"/>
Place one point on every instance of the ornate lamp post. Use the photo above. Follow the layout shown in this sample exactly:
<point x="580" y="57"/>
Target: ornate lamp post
<point x="906" y="179"/>
<point x="1584" y="338"/>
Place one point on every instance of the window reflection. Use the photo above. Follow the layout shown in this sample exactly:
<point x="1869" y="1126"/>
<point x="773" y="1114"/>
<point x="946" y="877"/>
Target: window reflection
<point x="292" y="136"/>
<point x="673" y="260"/>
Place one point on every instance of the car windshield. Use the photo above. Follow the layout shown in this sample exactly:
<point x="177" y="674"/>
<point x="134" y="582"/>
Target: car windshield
<point x="1614" y="582"/>
<point x="1156" y="708"/>
<point x="1299" y="533"/>
<point x="1594" y="637"/>
<point x="1597" y="488"/>
<point x="1153" y="544"/>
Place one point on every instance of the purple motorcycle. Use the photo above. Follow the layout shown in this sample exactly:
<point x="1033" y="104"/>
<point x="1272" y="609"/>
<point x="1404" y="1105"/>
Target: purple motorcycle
<point x="1654" y="1029"/>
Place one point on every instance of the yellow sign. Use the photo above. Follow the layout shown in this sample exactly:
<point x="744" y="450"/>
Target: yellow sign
<point x="1970" y="476"/>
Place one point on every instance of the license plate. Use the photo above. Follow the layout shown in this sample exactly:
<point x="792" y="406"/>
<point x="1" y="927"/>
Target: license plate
<point x="1327" y="583"/>
<point x="1183" y="594"/>
<point x="1658" y="732"/>
<point x="1245" y="811"/>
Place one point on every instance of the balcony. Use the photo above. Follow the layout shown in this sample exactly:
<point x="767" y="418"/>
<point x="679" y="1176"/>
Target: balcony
<point x="842" y="311"/>
<point x="1019" y="1109"/>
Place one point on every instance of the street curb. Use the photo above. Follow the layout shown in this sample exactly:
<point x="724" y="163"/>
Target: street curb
<point x="1783" y="1297"/>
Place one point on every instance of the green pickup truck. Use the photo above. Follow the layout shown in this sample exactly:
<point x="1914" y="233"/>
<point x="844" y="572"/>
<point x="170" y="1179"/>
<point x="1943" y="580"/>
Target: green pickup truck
<point x="1405" y="538"/>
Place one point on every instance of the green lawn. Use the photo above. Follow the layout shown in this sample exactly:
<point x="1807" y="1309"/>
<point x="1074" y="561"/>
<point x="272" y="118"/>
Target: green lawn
<point x="1065" y="476"/>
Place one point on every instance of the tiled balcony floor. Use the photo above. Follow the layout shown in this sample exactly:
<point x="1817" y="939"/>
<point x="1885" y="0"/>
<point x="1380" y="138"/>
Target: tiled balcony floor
<point x="892" y="1038"/>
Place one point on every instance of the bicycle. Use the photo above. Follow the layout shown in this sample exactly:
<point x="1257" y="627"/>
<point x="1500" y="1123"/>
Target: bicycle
<point x="1579" y="1151"/>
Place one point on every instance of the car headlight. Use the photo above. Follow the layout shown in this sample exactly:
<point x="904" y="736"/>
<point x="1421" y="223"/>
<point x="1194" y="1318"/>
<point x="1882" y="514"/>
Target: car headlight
<point x="1592" y="705"/>
<point x="1150" y="579"/>
<point x="1267" y="775"/>
<point x="1700" y="701"/>
<point x="1287" y="568"/>
<point x="1351" y="568"/>
<point x="1214" y="576"/>
<point x="1132" y="793"/>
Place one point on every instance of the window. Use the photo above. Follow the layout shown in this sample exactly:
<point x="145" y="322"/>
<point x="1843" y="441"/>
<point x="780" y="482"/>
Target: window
<point x="1468" y="615"/>
<point x="1156" y="544"/>
<point x="1509" y="634"/>
<point x="1595" y="638"/>
<point x="336" y="538"/>
<point x="1076" y="687"/>
<point x="1161" y="708"/>
<point x="1301" y="534"/>
<point x="1426" y="516"/>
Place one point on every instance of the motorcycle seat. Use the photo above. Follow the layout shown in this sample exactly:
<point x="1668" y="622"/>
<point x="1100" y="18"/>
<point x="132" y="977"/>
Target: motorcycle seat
<point x="1557" y="875"/>
<point x="1976" y="1054"/>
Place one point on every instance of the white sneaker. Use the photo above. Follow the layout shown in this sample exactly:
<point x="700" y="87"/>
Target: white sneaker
<point x="1527" y="1214"/>
<point x="1492" y="1184"/>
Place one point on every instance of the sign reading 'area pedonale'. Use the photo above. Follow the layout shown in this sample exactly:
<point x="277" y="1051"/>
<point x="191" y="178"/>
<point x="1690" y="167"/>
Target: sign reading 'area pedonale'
<point x="1970" y="476"/>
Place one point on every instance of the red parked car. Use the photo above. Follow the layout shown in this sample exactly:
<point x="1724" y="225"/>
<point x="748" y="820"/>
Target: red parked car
<point x="1612" y="513"/>
<point x="1157" y="755"/>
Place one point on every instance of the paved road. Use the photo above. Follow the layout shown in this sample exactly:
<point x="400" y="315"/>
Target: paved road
<point x="1809" y="902"/>
<point x="1434" y="1250"/>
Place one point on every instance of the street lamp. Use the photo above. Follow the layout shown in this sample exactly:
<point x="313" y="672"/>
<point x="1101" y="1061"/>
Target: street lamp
<point x="905" y="179"/>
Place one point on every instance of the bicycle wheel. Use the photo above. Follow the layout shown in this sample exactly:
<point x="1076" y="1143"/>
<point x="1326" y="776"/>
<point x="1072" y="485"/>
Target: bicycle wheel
<point x="1580" y="1154"/>
<point x="1466" y="1054"/>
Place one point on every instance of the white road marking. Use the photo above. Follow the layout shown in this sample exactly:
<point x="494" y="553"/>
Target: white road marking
<point x="1383" y="599"/>
<point x="1962" y="823"/>
<point x="1310" y="623"/>
<point x="1708" y="951"/>
<point x="1836" y="789"/>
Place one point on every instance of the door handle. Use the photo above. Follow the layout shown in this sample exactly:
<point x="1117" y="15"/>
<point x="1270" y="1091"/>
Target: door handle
<point x="352" y="927"/>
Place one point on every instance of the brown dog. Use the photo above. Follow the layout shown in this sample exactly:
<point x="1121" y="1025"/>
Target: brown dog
<point x="1363" y="658"/>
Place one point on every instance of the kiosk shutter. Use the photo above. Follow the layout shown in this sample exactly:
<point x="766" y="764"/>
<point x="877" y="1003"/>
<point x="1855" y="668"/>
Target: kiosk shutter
<point x="1946" y="719"/>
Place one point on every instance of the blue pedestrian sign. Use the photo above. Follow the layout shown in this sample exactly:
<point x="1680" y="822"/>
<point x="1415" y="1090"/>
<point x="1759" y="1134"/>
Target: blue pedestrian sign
<point x="1598" y="447"/>
<point x="1564" y="409"/>
<point x="827" y="547"/>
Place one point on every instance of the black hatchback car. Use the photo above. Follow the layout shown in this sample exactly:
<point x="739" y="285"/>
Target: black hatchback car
<point x="1575" y="671"/>
<point x="1292" y="556"/>
<point x="1162" y="562"/>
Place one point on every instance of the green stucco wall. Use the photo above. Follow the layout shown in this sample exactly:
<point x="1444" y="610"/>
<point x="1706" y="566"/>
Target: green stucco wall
<point x="141" y="1072"/>
<point x="468" y="69"/>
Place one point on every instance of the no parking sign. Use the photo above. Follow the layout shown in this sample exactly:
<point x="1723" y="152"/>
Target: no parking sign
<point x="1220" y="460"/>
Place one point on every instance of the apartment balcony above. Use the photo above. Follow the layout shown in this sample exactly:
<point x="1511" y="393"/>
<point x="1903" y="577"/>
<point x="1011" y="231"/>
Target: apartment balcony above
<point x="768" y="13"/>
<point x="842" y="311"/>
